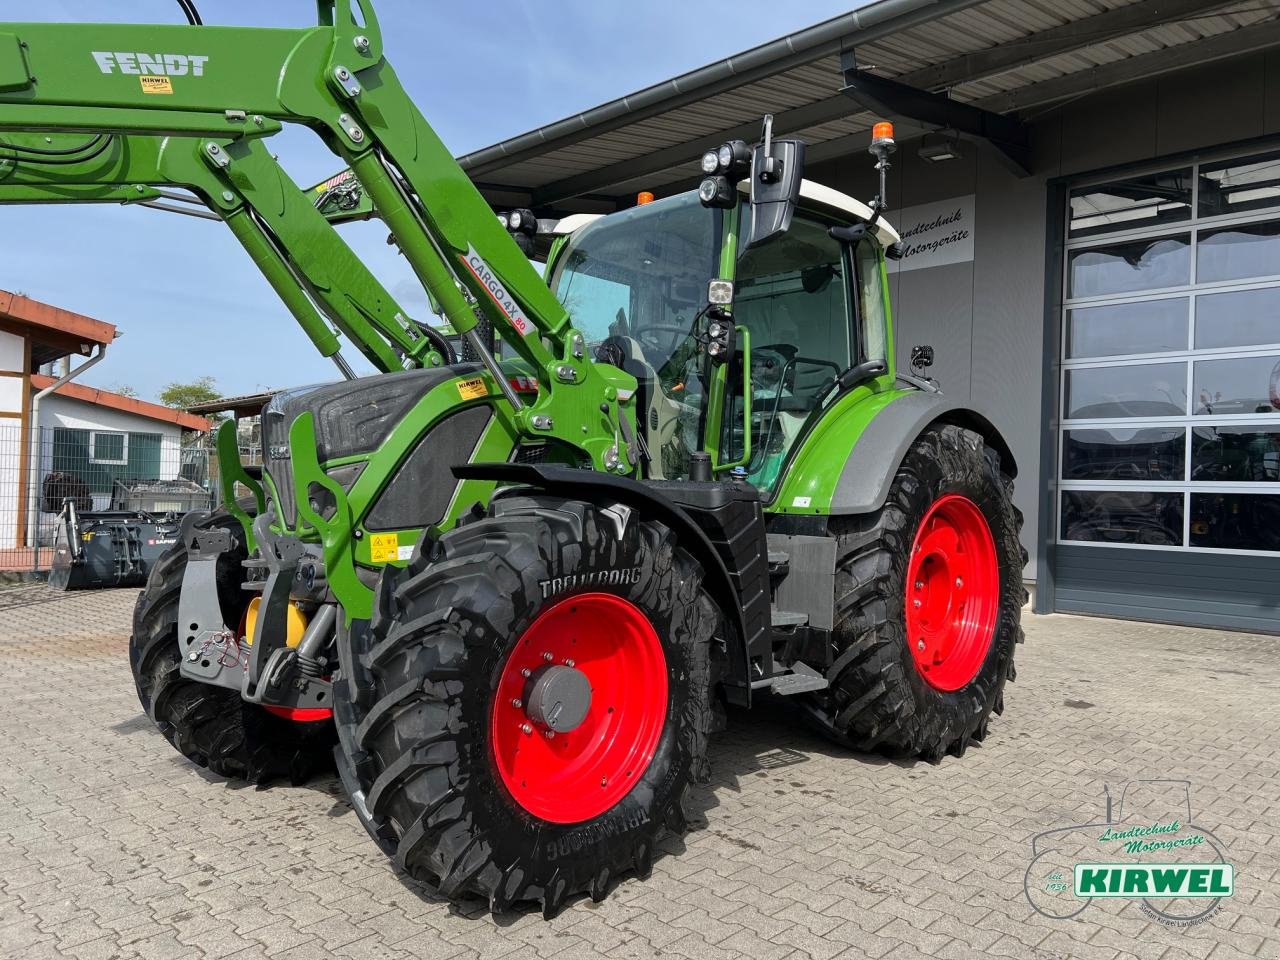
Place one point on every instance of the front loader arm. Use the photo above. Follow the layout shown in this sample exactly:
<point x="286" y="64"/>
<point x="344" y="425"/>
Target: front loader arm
<point x="300" y="255"/>
<point x="238" y="83"/>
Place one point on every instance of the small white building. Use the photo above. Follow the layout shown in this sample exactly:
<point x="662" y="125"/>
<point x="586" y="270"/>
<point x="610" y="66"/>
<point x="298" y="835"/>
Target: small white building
<point x="90" y="437"/>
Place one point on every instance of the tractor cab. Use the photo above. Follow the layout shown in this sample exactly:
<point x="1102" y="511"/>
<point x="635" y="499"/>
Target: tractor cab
<point x="806" y="306"/>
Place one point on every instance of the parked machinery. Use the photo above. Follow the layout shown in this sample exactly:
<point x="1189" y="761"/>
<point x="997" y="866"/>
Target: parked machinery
<point x="516" y="591"/>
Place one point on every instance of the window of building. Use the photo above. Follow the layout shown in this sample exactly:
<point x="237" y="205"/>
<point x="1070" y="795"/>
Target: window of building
<point x="108" y="447"/>
<point x="1170" y="430"/>
<point x="100" y="457"/>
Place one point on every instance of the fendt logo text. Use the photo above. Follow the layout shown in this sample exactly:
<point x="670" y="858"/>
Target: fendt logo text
<point x="154" y="64"/>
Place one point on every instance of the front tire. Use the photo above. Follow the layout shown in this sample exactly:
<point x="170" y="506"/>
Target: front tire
<point x="928" y="604"/>
<point x="442" y="702"/>
<point x="209" y="725"/>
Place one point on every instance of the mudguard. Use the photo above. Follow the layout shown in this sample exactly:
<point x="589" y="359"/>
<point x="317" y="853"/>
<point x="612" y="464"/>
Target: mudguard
<point x="864" y="482"/>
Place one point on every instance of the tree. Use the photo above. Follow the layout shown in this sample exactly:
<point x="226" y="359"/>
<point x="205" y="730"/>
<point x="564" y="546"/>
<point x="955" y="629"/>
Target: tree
<point x="180" y="396"/>
<point x="183" y="395"/>
<point x="124" y="390"/>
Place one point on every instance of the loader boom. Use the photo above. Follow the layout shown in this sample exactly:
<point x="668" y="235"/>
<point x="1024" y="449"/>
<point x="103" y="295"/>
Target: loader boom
<point x="309" y="266"/>
<point x="228" y="86"/>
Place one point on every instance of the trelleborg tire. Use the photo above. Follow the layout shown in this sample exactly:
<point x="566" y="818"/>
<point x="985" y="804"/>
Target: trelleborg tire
<point x="445" y="700"/>
<point x="928" y="604"/>
<point x="212" y="726"/>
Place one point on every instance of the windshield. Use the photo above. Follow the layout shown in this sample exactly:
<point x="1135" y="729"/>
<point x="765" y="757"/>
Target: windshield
<point x="641" y="275"/>
<point x="635" y="285"/>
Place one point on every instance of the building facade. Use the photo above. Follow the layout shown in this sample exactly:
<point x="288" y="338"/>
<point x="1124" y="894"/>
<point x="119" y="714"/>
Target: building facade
<point x="1118" y="312"/>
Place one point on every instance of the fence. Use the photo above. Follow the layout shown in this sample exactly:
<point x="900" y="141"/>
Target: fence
<point x="96" y="470"/>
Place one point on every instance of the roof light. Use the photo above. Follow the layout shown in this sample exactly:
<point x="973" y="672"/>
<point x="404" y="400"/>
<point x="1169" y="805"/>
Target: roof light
<point x="643" y="197"/>
<point x="882" y="132"/>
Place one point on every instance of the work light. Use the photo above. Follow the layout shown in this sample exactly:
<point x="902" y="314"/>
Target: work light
<point x="716" y="192"/>
<point x="710" y="161"/>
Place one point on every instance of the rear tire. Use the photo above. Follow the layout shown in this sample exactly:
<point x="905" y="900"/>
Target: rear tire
<point x="430" y="722"/>
<point x="882" y="698"/>
<point x="212" y="726"/>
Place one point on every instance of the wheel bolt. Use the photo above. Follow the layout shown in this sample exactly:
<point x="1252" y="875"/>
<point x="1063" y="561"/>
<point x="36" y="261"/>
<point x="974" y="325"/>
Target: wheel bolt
<point x="919" y="584"/>
<point x="959" y="583"/>
<point x="547" y="657"/>
<point x="526" y="728"/>
<point x="568" y="663"/>
<point x="517" y="703"/>
<point x="920" y="645"/>
<point x="604" y="781"/>
<point x="525" y="673"/>
<point x="916" y="604"/>
<point x="550" y="734"/>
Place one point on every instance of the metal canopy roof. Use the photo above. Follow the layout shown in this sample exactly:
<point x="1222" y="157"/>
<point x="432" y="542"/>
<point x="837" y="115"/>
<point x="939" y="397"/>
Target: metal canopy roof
<point x="1006" y="56"/>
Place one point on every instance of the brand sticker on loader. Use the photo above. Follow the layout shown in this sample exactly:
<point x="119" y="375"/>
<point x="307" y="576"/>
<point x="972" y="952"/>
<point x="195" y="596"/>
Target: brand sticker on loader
<point x="801" y="501"/>
<point x="384" y="547"/>
<point x="156" y="84"/>
<point x="472" y="389"/>
<point x="497" y="292"/>
<point x="155" y="64"/>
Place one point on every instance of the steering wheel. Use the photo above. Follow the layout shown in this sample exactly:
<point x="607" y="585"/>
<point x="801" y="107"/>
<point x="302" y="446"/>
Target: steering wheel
<point x="646" y="336"/>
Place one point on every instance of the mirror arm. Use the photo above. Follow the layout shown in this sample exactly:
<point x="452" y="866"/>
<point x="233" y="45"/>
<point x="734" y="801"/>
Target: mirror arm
<point x="867" y="370"/>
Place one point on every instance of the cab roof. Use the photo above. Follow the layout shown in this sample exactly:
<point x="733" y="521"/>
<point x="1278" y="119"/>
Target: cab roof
<point x="813" y="194"/>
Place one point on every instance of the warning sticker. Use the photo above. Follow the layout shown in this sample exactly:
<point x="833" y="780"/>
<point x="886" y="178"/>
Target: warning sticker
<point x="472" y="389"/>
<point x="384" y="547"/>
<point x="156" y="84"/>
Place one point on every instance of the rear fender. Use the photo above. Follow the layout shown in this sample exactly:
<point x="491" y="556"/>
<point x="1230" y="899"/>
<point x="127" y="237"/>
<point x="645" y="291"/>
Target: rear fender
<point x="879" y="451"/>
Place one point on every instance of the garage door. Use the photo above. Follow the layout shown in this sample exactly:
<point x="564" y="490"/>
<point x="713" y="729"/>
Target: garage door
<point x="1168" y="502"/>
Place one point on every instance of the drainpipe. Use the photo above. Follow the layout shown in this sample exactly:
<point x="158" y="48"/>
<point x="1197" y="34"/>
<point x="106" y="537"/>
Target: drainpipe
<point x="33" y="525"/>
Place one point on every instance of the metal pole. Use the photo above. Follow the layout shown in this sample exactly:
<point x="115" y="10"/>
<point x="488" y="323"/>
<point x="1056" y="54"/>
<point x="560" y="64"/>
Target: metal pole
<point x="33" y="527"/>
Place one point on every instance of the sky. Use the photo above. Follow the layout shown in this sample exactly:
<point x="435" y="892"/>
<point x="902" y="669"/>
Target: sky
<point x="184" y="294"/>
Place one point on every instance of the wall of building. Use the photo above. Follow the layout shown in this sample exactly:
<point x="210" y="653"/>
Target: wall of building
<point x="57" y="411"/>
<point x="13" y="371"/>
<point x="987" y="318"/>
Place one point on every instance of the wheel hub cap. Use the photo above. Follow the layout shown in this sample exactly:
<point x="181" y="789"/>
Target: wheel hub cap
<point x="558" y="698"/>
<point x="952" y="601"/>
<point x="580" y="707"/>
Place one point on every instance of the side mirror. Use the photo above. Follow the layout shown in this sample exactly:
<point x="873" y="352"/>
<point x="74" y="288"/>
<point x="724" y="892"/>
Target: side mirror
<point x="777" y="167"/>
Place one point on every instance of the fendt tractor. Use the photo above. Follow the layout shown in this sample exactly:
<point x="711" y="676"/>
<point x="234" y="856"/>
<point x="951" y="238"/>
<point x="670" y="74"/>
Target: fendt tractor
<point x="511" y="595"/>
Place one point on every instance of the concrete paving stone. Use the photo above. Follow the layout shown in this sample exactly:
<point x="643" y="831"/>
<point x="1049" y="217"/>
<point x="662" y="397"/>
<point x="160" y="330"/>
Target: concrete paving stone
<point x="801" y="849"/>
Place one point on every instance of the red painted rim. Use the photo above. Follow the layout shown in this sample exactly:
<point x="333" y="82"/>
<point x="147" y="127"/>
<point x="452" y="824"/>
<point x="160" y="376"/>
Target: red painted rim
<point x="300" y="714"/>
<point x="953" y="593"/>
<point x="575" y="775"/>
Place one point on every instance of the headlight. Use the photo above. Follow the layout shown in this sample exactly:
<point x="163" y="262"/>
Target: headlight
<point x="710" y="161"/>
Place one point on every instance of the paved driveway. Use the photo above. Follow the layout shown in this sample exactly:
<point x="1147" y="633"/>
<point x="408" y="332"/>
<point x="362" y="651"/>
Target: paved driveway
<point x="112" y="846"/>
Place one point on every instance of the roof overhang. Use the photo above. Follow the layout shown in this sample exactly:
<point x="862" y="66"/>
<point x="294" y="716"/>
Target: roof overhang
<point x="53" y="332"/>
<point x="998" y="63"/>
<point x="117" y="401"/>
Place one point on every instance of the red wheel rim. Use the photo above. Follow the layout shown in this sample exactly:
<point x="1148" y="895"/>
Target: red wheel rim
<point x="578" y="774"/>
<point x="300" y="714"/>
<point x="953" y="593"/>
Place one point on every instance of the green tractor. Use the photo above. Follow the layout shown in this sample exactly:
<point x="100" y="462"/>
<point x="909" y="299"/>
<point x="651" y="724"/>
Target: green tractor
<point x="515" y="592"/>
